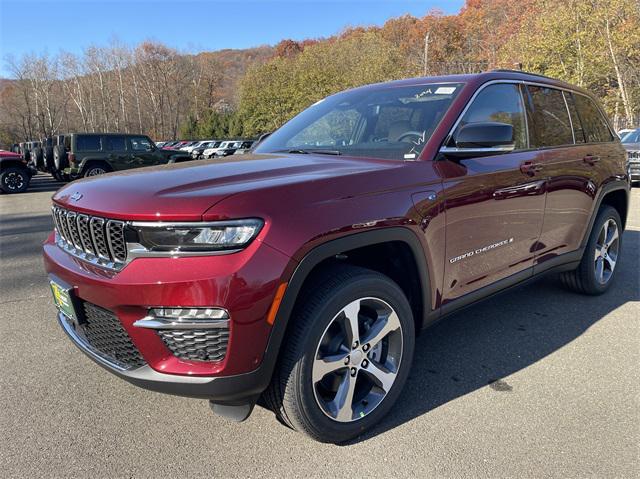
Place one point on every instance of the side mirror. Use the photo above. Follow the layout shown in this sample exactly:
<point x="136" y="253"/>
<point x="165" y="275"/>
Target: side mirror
<point x="481" y="139"/>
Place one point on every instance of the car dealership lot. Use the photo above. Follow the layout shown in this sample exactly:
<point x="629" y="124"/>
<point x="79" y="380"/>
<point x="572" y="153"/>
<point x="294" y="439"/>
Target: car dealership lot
<point x="536" y="382"/>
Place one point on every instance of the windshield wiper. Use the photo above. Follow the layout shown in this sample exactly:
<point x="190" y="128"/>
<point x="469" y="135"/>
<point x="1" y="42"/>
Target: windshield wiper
<point x="299" y="151"/>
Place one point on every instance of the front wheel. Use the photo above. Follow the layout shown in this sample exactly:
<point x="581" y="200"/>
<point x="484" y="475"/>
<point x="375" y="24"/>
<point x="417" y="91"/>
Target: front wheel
<point x="347" y="355"/>
<point x="14" y="180"/>
<point x="597" y="268"/>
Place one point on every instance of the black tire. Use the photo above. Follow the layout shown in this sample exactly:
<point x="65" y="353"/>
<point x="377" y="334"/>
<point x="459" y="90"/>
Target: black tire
<point x="60" y="159"/>
<point x="292" y="394"/>
<point x="49" y="165"/>
<point x="38" y="158"/>
<point x="27" y="155"/>
<point x="14" y="180"/>
<point x="57" y="175"/>
<point x="96" y="169"/>
<point x="584" y="279"/>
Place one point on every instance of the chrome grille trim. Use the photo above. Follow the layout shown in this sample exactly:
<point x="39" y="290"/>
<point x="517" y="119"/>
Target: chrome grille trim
<point x="96" y="226"/>
<point x="115" y="240"/>
<point x="86" y="237"/>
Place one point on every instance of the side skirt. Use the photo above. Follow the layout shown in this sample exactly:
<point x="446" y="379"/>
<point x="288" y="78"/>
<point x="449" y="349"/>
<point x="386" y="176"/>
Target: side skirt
<point x="565" y="262"/>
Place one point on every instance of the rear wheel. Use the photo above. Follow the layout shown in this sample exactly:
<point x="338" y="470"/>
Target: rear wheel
<point x="49" y="165"/>
<point x="38" y="158"/>
<point x="14" y="180"/>
<point x="60" y="159"/>
<point x="96" y="169"/>
<point x="347" y="355"/>
<point x="597" y="268"/>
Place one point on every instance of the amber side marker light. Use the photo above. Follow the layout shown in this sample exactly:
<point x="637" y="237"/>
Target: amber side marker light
<point x="273" y="310"/>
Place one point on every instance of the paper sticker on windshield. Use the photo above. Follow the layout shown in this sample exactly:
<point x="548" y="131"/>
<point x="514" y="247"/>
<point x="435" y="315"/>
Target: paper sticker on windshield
<point x="409" y="156"/>
<point x="445" y="90"/>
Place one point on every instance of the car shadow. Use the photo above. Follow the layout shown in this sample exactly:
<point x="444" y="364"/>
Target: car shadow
<point x="41" y="183"/>
<point x="483" y="345"/>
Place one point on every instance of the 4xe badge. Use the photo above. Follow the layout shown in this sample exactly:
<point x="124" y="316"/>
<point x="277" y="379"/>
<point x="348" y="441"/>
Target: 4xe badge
<point x="76" y="196"/>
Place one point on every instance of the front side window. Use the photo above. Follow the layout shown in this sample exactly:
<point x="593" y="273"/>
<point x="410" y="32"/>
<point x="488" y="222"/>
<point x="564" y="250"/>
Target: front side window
<point x="88" y="143"/>
<point x="141" y="143"/>
<point x="594" y="124"/>
<point x="386" y="122"/>
<point x="552" y="126"/>
<point x="501" y="103"/>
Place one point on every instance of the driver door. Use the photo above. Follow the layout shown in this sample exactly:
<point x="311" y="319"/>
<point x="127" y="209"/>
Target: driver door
<point x="494" y="204"/>
<point x="142" y="152"/>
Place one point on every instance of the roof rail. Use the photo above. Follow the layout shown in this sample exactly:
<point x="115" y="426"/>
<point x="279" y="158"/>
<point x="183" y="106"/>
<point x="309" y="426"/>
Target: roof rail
<point x="522" y="72"/>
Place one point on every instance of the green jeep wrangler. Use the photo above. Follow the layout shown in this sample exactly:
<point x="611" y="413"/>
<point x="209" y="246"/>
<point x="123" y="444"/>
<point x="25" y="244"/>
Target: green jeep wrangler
<point x="90" y="154"/>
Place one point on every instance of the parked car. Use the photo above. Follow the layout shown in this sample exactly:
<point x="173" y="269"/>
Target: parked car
<point x="15" y="173"/>
<point x="176" y="146"/>
<point x="219" y="145"/>
<point x="91" y="154"/>
<point x="244" y="148"/>
<point x="299" y="275"/>
<point x="197" y="152"/>
<point x="631" y="143"/>
<point x="230" y="149"/>
<point x="194" y="144"/>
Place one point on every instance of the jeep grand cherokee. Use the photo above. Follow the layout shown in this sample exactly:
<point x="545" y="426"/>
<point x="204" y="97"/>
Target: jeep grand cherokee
<point x="299" y="276"/>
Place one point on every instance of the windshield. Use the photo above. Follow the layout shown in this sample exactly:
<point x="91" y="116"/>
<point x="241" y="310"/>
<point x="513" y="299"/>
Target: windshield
<point x="632" y="137"/>
<point x="387" y="122"/>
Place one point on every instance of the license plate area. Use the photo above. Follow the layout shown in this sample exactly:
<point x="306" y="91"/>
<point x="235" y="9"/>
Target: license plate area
<point x="63" y="299"/>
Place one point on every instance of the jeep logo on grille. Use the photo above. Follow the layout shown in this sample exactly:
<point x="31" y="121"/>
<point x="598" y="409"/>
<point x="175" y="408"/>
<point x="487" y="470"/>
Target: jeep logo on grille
<point x="76" y="196"/>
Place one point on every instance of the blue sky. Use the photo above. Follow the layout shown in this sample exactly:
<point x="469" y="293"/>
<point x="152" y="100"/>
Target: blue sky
<point x="51" y="26"/>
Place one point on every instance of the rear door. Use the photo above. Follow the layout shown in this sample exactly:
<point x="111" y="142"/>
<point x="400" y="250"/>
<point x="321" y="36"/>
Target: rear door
<point x="115" y="149"/>
<point x="571" y="163"/>
<point x="494" y="204"/>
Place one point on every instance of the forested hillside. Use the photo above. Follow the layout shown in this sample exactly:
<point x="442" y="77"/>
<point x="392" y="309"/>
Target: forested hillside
<point x="157" y="90"/>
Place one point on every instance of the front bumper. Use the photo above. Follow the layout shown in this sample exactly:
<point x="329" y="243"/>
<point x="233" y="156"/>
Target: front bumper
<point x="237" y="389"/>
<point x="243" y="283"/>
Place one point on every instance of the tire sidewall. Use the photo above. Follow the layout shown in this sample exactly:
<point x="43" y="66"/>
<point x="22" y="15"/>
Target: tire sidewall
<point x="605" y="214"/>
<point x="366" y="286"/>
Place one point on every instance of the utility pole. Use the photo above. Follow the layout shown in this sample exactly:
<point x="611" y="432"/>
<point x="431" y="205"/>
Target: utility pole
<point x="426" y="54"/>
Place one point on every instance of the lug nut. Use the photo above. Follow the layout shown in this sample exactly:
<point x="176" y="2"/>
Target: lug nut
<point x="347" y="359"/>
<point x="365" y="363"/>
<point x="354" y="371"/>
<point x="365" y="348"/>
<point x="355" y="345"/>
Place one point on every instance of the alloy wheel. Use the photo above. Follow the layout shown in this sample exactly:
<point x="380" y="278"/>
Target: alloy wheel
<point x="606" y="251"/>
<point x="14" y="181"/>
<point x="357" y="360"/>
<point x="96" y="171"/>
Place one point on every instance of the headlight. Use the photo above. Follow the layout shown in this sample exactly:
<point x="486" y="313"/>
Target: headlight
<point x="196" y="237"/>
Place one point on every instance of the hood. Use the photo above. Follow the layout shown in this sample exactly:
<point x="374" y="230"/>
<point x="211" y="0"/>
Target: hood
<point x="184" y="191"/>
<point x="9" y="154"/>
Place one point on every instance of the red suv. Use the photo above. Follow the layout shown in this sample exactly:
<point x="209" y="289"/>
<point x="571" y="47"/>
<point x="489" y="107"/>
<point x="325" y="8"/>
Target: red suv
<point x="299" y="275"/>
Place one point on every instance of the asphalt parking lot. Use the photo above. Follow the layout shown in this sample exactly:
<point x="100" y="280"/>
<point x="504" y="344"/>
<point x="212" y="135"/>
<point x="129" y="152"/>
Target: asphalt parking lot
<point x="538" y="382"/>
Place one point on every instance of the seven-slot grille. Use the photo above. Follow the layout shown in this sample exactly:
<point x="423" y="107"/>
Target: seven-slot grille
<point x="95" y="239"/>
<point x="103" y="331"/>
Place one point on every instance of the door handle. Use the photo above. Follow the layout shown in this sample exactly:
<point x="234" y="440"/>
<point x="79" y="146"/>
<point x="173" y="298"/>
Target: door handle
<point x="591" y="159"/>
<point x="530" y="168"/>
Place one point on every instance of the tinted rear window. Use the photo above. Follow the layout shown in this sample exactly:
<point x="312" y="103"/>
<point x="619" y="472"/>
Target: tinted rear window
<point x="88" y="143"/>
<point x="550" y="117"/>
<point x="594" y="124"/>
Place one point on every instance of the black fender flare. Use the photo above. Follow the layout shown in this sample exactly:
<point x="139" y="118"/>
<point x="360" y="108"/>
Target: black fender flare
<point x="328" y="250"/>
<point x="609" y="187"/>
